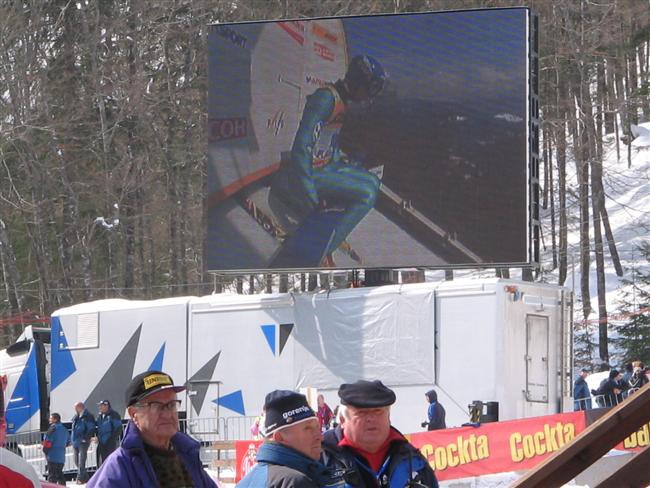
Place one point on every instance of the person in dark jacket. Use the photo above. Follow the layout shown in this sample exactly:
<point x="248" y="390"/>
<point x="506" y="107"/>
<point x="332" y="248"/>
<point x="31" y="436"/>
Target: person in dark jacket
<point x="153" y="452"/>
<point x="638" y="379"/>
<point x="581" y="395"/>
<point x="289" y="456"/>
<point x="56" y="439"/>
<point x="366" y="449"/>
<point x="628" y="370"/>
<point x="83" y="429"/>
<point x="435" y="413"/>
<point x="109" y="429"/>
<point x="610" y="391"/>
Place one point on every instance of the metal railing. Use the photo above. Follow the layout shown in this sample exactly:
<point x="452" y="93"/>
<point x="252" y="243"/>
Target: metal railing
<point x="218" y="429"/>
<point x="204" y="430"/>
<point x="28" y="445"/>
<point x="602" y="401"/>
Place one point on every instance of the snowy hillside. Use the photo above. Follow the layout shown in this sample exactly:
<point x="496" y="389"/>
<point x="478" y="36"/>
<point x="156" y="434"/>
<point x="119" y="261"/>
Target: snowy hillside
<point x="628" y="205"/>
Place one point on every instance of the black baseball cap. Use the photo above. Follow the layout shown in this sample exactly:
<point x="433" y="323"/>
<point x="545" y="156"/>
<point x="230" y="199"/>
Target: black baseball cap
<point x="104" y="402"/>
<point x="366" y="394"/>
<point x="148" y="383"/>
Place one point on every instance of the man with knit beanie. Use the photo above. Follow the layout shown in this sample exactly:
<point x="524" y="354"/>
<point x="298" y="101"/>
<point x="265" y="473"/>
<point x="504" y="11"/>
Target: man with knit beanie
<point x="289" y="456"/>
<point x="367" y="444"/>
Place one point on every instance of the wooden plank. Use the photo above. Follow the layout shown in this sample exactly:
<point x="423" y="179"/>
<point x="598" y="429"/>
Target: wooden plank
<point x="633" y="474"/>
<point x="591" y="445"/>
<point x="223" y="463"/>
<point x="224" y="445"/>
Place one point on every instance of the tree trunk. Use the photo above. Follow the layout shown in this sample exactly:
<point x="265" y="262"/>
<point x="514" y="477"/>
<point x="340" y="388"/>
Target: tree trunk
<point x="312" y="281"/>
<point x="596" y="185"/>
<point x="616" y="260"/>
<point x="608" y="95"/>
<point x="560" y="144"/>
<point x="269" y="283"/>
<point x="549" y="136"/>
<point x="10" y="271"/>
<point x="284" y="283"/>
<point x="582" y="168"/>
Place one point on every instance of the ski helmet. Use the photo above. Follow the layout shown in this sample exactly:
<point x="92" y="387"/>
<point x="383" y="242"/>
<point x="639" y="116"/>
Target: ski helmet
<point x="365" y="71"/>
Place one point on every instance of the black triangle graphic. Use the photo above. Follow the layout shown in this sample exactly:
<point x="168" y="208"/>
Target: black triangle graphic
<point x="112" y="385"/>
<point x="201" y="389"/>
<point x="285" y="332"/>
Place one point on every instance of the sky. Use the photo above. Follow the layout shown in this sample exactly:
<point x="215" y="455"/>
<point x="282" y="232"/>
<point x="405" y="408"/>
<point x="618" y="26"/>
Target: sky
<point x="474" y="56"/>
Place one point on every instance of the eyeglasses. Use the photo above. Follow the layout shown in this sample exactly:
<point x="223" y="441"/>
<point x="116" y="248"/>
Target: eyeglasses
<point x="157" y="407"/>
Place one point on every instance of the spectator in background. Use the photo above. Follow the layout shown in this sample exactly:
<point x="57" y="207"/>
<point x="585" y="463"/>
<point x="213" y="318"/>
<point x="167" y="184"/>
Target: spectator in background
<point x="324" y="413"/>
<point x="83" y="429"/>
<point x="638" y="379"/>
<point x="581" y="395"/>
<point x="256" y="426"/>
<point x="56" y="439"/>
<point x="627" y="372"/>
<point x="435" y="413"/>
<point x="109" y="429"/>
<point x="610" y="391"/>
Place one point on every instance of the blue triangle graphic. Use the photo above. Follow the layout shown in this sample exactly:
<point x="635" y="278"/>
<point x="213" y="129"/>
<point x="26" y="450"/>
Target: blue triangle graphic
<point x="232" y="401"/>
<point x="157" y="363"/>
<point x="25" y="399"/>
<point x="269" y="333"/>
<point x="62" y="363"/>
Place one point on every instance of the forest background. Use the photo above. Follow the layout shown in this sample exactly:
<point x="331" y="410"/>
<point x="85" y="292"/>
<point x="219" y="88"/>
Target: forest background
<point x="103" y="150"/>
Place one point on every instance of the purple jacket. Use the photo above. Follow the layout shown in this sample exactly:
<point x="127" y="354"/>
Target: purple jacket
<point x="129" y="466"/>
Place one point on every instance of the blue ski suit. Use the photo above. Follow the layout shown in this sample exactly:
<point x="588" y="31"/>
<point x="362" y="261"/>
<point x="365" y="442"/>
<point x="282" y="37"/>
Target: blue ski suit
<point x="320" y="167"/>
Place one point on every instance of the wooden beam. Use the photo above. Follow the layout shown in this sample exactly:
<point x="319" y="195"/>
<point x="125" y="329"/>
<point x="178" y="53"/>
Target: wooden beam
<point x="224" y="445"/>
<point x="612" y="428"/>
<point x="633" y="474"/>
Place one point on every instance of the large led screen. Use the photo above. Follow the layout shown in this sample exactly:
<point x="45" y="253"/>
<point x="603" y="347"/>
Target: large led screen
<point x="369" y="142"/>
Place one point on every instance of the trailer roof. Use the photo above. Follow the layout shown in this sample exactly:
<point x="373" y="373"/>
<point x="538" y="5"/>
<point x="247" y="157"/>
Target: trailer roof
<point x="119" y="304"/>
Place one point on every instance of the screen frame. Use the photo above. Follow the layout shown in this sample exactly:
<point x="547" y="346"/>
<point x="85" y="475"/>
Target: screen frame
<point x="533" y="224"/>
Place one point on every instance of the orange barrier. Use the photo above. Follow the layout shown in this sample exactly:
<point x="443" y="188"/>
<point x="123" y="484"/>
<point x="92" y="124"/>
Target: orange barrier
<point x="491" y="448"/>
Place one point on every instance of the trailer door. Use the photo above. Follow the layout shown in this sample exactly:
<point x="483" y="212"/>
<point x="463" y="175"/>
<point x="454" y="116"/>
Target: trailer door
<point x="537" y="358"/>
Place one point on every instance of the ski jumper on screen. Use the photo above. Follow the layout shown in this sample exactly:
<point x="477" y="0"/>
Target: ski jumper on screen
<point x="328" y="178"/>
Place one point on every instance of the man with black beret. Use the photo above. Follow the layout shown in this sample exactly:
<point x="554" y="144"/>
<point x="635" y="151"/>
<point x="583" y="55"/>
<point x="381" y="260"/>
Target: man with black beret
<point x="366" y="449"/>
<point x="289" y="457"/>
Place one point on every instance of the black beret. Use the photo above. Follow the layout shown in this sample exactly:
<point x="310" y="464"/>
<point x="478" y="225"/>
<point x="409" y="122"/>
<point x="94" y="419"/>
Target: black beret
<point x="366" y="394"/>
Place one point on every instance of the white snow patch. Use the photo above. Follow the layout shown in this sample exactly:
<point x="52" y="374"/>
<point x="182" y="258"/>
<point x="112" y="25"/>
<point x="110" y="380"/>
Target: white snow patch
<point x="509" y="117"/>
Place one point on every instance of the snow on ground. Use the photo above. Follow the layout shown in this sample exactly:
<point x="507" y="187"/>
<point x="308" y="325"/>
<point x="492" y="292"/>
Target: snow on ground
<point x="502" y="480"/>
<point x="628" y="203"/>
<point x="627" y="193"/>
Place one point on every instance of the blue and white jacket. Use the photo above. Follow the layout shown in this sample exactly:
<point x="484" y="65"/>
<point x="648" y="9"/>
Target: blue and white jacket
<point x="279" y="466"/>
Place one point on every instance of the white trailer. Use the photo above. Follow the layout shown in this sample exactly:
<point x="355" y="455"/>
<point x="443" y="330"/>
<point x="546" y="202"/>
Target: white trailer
<point x="491" y="340"/>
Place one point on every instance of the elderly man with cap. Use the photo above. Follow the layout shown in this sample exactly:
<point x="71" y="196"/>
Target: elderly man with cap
<point x="367" y="448"/>
<point x="292" y="447"/>
<point x="153" y="452"/>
